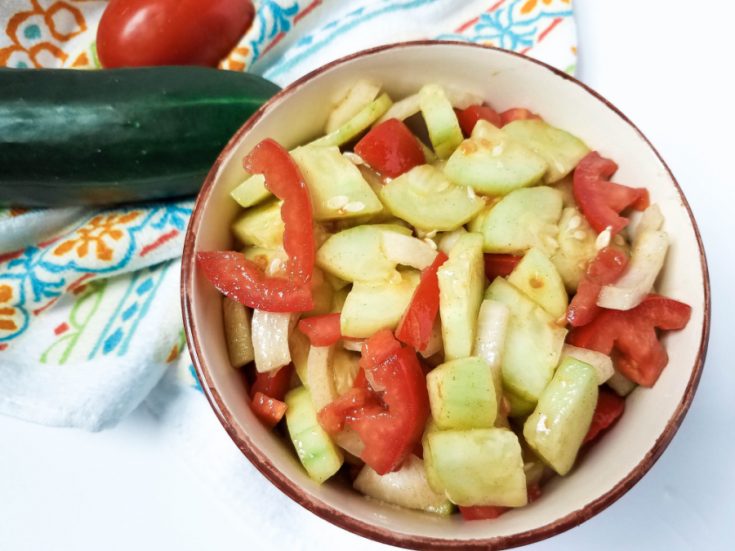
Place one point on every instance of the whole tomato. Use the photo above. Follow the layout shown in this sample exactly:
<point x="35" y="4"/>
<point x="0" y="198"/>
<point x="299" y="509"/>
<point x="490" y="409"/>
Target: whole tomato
<point x="171" y="32"/>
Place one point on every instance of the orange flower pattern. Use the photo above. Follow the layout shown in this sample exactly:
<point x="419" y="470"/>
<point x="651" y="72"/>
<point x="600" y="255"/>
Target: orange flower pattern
<point x="95" y="234"/>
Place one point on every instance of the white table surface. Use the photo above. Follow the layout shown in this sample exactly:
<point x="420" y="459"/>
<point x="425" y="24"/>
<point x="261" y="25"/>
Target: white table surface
<point x="665" y="64"/>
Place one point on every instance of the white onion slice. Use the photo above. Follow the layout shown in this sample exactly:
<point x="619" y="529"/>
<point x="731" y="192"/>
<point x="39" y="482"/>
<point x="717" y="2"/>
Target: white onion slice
<point x="407" y="250"/>
<point x="646" y="260"/>
<point x="270" y="331"/>
<point x="601" y="362"/>
<point x="320" y="375"/>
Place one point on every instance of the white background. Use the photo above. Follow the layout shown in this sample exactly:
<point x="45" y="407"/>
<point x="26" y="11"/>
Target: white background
<point x="668" y="65"/>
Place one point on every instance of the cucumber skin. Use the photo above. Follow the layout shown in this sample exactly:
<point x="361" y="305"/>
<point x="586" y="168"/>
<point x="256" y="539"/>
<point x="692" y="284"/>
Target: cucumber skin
<point x="70" y="137"/>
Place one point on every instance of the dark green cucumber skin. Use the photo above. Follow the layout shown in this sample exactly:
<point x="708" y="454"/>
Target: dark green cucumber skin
<point x="73" y="137"/>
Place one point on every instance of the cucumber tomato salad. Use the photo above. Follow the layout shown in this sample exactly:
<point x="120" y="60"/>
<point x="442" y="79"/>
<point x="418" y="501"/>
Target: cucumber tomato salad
<point x="443" y="302"/>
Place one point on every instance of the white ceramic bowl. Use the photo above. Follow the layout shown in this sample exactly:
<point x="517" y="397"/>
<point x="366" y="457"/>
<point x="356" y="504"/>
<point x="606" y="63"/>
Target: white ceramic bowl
<point x="504" y="79"/>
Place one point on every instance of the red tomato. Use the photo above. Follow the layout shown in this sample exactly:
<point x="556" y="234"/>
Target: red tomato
<point x="609" y="408"/>
<point x="417" y="322"/>
<point x="468" y="117"/>
<point x="274" y="384"/>
<point x="243" y="280"/>
<point x="600" y="200"/>
<point x="391" y="418"/>
<point x="269" y="410"/>
<point x="135" y="33"/>
<point x="632" y="334"/>
<point x="500" y="265"/>
<point x="390" y="148"/>
<point x="517" y="114"/>
<point x="322" y="330"/>
<point x="605" y="268"/>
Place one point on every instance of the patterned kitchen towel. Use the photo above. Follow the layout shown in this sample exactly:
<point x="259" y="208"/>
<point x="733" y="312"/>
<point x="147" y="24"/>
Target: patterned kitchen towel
<point x="89" y="306"/>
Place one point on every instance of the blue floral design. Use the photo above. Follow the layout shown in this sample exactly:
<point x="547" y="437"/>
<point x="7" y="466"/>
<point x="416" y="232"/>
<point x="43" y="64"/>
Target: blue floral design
<point x="273" y="18"/>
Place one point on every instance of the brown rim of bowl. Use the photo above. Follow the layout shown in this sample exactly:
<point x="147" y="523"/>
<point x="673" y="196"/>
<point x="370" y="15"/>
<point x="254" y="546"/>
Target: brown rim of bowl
<point x="321" y="509"/>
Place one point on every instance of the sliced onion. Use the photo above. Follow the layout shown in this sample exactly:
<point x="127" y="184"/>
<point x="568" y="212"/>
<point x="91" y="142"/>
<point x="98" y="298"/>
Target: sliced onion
<point x="462" y="99"/>
<point x="449" y="239"/>
<point x="407" y="250"/>
<point x="354" y="345"/>
<point x="270" y="331"/>
<point x="651" y="220"/>
<point x="320" y="375"/>
<point x="646" y="260"/>
<point x="349" y="441"/>
<point x="436" y="344"/>
<point x="492" y="327"/>
<point x="621" y="384"/>
<point x="362" y="93"/>
<point x="403" y="109"/>
<point x="601" y="362"/>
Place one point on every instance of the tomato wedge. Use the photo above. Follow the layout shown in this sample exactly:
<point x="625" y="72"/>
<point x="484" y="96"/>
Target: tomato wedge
<point x="273" y="383"/>
<point x="609" y="408"/>
<point x="631" y="335"/>
<point x="269" y="410"/>
<point x="322" y="330"/>
<point x="500" y="265"/>
<point x="600" y="200"/>
<point x="390" y="148"/>
<point x="391" y="424"/>
<point x="605" y="268"/>
<point x="243" y="280"/>
<point x="417" y="322"/>
<point x="469" y="116"/>
<point x="517" y="114"/>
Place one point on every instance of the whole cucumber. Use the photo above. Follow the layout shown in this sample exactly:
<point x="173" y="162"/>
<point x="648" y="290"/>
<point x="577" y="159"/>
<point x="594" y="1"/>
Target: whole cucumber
<point x="70" y="137"/>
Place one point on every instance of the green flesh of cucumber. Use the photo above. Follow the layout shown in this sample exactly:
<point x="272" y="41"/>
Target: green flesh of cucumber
<point x="261" y="226"/>
<point x="558" y="425"/>
<point x="538" y="278"/>
<point x="444" y="130"/>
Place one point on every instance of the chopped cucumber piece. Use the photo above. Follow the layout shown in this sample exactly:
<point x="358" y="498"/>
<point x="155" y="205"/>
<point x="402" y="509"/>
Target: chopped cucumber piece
<point x="533" y="343"/>
<point x="236" y="319"/>
<point x="561" y="150"/>
<point x="359" y="96"/>
<point x="372" y="306"/>
<point x="523" y="219"/>
<point x="478" y="466"/>
<point x="576" y="247"/>
<point x="406" y="487"/>
<point x="536" y="276"/>
<point x="316" y="451"/>
<point x="558" y="425"/>
<point x="518" y="406"/>
<point x="462" y="394"/>
<point x="251" y="192"/>
<point x="261" y="226"/>
<point x="357" y="124"/>
<point x="461" y="281"/>
<point x="601" y="362"/>
<point x="425" y="198"/>
<point x="441" y="121"/>
<point x="492" y="163"/>
<point x="336" y="186"/>
<point x="357" y="254"/>
<point x="492" y="327"/>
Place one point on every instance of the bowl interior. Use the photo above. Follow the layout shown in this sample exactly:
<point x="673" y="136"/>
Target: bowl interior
<point x="504" y="80"/>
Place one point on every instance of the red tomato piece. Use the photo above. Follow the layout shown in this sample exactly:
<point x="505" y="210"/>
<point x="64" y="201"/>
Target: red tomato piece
<point x="273" y="383"/>
<point x="391" y="419"/>
<point x="517" y="114"/>
<point x="630" y="336"/>
<point x="390" y="148"/>
<point x="171" y="32"/>
<point x="600" y="200"/>
<point x="269" y="410"/>
<point x="243" y="280"/>
<point x="609" y="408"/>
<point x="322" y="330"/>
<point x="468" y="117"/>
<point x="605" y="268"/>
<point x="417" y="322"/>
<point x="500" y="265"/>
